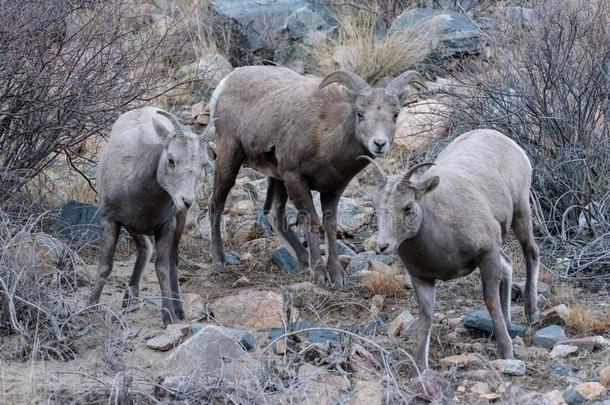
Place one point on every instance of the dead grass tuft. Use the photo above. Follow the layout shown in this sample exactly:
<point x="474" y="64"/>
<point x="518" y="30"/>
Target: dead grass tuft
<point x="583" y="321"/>
<point x="359" y="49"/>
<point x="387" y="281"/>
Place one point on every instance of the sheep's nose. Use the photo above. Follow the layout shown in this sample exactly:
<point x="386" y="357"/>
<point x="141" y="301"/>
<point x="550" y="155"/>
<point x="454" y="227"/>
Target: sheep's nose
<point x="382" y="246"/>
<point x="380" y="143"/>
<point x="187" y="202"/>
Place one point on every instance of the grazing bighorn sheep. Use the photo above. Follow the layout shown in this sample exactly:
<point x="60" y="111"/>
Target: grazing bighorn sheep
<point x="453" y="218"/>
<point x="304" y="135"/>
<point x="146" y="178"/>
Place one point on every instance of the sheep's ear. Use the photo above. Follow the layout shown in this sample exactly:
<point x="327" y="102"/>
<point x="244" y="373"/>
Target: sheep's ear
<point x="161" y="130"/>
<point x="426" y="186"/>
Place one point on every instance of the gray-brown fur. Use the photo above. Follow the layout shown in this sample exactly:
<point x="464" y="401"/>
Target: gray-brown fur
<point x="454" y="217"/>
<point x="146" y="178"/>
<point x="304" y="134"/>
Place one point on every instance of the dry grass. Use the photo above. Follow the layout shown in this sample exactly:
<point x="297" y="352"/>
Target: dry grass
<point x="581" y="320"/>
<point x="357" y="48"/>
<point x="386" y="281"/>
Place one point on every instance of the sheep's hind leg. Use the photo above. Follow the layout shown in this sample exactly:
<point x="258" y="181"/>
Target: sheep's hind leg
<point x="522" y="226"/>
<point x="279" y="223"/>
<point x="330" y="202"/>
<point x="426" y="295"/>
<point x="173" y="274"/>
<point x="492" y="273"/>
<point x="109" y="234"/>
<point x="300" y="195"/>
<point x="505" y="288"/>
<point x="144" y="249"/>
<point x="225" y="172"/>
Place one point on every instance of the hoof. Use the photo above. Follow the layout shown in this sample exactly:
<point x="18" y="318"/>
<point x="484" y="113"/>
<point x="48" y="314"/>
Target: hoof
<point x="228" y="260"/>
<point x="533" y="318"/>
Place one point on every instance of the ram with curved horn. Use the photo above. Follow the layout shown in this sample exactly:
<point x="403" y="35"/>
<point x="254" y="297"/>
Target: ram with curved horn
<point x="304" y="133"/>
<point x="453" y="218"/>
<point x="146" y="178"/>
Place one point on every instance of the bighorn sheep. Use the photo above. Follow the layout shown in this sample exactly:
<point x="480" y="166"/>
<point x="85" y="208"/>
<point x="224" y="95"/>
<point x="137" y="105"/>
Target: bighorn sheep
<point x="147" y="177"/>
<point x="453" y="218"/>
<point x="304" y="134"/>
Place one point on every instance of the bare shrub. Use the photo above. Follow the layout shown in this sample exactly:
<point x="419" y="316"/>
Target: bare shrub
<point x="360" y="49"/>
<point x="582" y="321"/>
<point x="548" y="88"/>
<point x="37" y="272"/>
<point x="67" y="70"/>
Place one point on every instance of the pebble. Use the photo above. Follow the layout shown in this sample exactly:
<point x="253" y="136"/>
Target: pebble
<point x="547" y="337"/>
<point x="509" y="366"/>
<point x="400" y="323"/>
<point x="582" y="393"/>
<point x="588" y="342"/>
<point x="460" y="360"/>
<point x="171" y="337"/>
<point x="243" y="281"/>
<point x="560" y="351"/>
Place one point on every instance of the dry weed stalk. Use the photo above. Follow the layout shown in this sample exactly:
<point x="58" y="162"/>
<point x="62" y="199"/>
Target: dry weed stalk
<point x="582" y="321"/>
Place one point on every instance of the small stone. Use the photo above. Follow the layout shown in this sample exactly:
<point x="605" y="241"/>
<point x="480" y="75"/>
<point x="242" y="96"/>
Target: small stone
<point x="461" y="388"/>
<point x="255" y="246"/>
<point x="554" y="397"/>
<point x="367" y="393"/>
<point x="461" y="360"/>
<point x="481" y="320"/>
<point x="554" y="315"/>
<point x="243" y="281"/>
<point x="584" y="392"/>
<point x="245" y="232"/>
<point x="279" y="347"/>
<point x="286" y="261"/>
<point x="604" y="376"/>
<point x="343" y="249"/>
<point x="509" y="366"/>
<point x="547" y="337"/>
<point x="377" y="304"/>
<point x="400" y="323"/>
<point x="429" y="385"/>
<point x="492" y="396"/>
<point x="561" y="370"/>
<point x="193" y="306"/>
<point x="560" y="351"/>
<point x="588" y="342"/>
<point x="370" y="243"/>
<point x="170" y="338"/>
<point x="518" y="290"/>
<point x="243" y="207"/>
<point x="480" y="388"/>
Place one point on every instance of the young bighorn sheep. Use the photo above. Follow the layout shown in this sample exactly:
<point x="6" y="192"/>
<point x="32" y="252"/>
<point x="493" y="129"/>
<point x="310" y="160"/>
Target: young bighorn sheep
<point x="146" y="179"/>
<point x="304" y="134"/>
<point x="453" y="218"/>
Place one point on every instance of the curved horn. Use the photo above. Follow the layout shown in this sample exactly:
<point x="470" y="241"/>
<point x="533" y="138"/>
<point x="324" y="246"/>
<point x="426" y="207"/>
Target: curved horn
<point x="350" y="80"/>
<point x="173" y="120"/>
<point x="406" y="179"/>
<point x="397" y="85"/>
<point x="378" y="172"/>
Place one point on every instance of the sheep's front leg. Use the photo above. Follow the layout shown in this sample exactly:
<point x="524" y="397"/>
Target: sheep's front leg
<point x="144" y="252"/>
<point x="426" y="294"/>
<point x="330" y="202"/>
<point x="173" y="274"/>
<point x="492" y="273"/>
<point x="163" y="245"/>
<point x="300" y="194"/>
<point x="109" y="234"/>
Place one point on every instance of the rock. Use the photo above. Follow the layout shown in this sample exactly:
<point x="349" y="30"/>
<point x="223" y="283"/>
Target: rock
<point x="363" y="362"/>
<point x="362" y="261"/>
<point x="560" y="351"/>
<point x="604" y="376"/>
<point x="456" y="33"/>
<point x="352" y="216"/>
<point x="343" y="249"/>
<point x="79" y="222"/>
<point x="517" y="291"/>
<point x="377" y="303"/>
<point x="207" y="351"/>
<point x="561" y="370"/>
<point x="421" y="124"/>
<point x="554" y="397"/>
<point x="279" y="347"/>
<point x="306" y="292"/>
<point x="371" y="242"/>
<point x="400" y="323"/>
<point x="480" y="388"/>
<point x="250" y="309"/>
<point x="242" y="207"/>
<point x="584" y="392"/>
<point x="193" y="306"/>
<point x="255" y="246"/>
<point x="170" y="338"/>
<point x="367" y="393"/>
<point x="263" y="221"/>
<point x="517" y="15"/>
<point x="243" y="281"/>
<point x="286" y="261"/>
<point x="530" y="353"/>
<point x="429" y="385"/>
<point x="554" y="315"/>
<point x="547" y="337"/>
<point x="481" y="320"/>
<point x="460" y="360"/>
<point x="588" y="342"/>
<point x="211" y="68"/>
<point x="509" y="366"/>
<point x="246" y="231"/>
<point x="321" y="386"/>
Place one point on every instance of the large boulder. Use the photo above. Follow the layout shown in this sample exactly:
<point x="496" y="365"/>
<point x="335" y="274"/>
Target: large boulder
<point x="457" y="34"/>
<point x="79" y="222"/>
<point x="421" y="124"/>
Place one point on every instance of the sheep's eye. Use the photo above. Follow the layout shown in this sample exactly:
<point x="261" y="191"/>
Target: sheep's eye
<point x="395" y="117"/>
<point x="408" y="210"/>
<point x="171" y="162"/>
<point x="360" y="115"/>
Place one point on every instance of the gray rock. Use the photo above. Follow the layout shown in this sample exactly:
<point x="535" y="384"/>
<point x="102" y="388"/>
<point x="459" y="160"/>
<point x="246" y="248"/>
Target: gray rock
<point x="547" y="337"/>
<point x="285" y="260"/>
<point x="561" y="370"/>
<point x="207" y="351"/>
<point x="345" y="250"/>
<point x="482" y="321"/>
<point x="303" y="22"/>
<point x="517" y="292"/>
<point x="456" y="32"/>
<point x="509" y="366"/>
<point x="360" y="262"/>
<point x="263" y="221"/>
<point x="79" y="222"/>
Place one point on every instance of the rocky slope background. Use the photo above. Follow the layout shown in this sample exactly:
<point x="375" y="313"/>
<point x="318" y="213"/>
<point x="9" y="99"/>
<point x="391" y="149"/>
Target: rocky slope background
<point x="261" y="332"/>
